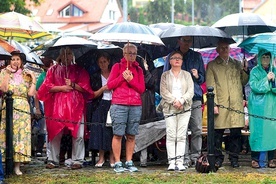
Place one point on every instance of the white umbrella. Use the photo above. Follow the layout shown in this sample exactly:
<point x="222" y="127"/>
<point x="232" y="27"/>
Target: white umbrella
<point x="128" y="32"/>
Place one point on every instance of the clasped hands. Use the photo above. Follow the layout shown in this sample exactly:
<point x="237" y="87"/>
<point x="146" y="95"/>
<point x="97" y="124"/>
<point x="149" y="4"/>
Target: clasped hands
<point x="177" y="105"/>
<point x="69" y="85"/>
<point x="127" y="74"/>
<point x="270" y="76"/>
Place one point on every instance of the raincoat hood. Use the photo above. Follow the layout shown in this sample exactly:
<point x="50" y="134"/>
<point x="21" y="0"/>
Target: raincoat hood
<point x="261" y="53"/>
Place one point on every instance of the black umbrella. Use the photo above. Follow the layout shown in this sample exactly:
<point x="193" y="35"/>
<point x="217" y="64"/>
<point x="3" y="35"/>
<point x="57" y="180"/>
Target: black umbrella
<point x="203" y="36"/>
<point x="244" y="24"/>
<point x="78" y="45"/>
<point x="31" y="57"/>
<point x="88" y="60"/>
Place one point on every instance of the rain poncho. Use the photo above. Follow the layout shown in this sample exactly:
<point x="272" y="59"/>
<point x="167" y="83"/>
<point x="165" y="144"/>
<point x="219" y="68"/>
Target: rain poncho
<point x="64" y="105"/>
<point x="262" y="101"/>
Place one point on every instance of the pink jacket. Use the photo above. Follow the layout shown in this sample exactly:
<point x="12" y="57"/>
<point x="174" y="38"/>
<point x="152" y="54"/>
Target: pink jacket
<point x="126" y="93"/>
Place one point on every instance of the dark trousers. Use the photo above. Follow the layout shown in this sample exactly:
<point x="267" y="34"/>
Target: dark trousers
<point x="233" y="147"/>
<point x="256" y="154"/>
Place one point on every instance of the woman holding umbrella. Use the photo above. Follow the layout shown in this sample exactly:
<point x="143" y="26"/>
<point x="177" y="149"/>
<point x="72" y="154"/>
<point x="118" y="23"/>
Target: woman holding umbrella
<point x="126" y="79"/>
<point x="262" y="101"/>
<point x="64" y="92"/>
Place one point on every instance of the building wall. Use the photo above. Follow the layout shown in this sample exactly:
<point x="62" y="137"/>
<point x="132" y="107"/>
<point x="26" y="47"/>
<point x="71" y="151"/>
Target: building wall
<point x="267" y="9"/>
<point x="113" y="7"/>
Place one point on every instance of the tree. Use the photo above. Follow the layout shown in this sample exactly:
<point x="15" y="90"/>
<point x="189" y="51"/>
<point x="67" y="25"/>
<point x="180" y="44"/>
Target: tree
<point x="16" y="5"/>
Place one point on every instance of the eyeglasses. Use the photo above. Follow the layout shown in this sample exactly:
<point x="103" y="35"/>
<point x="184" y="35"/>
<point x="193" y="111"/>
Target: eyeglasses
<point x="265" y="57"/>
<point x="133" y="54"/>
<point x="176" y="58"/>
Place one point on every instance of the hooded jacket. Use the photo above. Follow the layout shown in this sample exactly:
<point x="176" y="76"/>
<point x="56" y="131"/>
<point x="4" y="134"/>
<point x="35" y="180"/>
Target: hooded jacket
<point x="261" y="102"/>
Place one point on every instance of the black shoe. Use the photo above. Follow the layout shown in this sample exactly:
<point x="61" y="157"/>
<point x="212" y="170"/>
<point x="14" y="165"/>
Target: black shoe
<point x="143" y="165"/>
<point x="235" y="164"/>
<point x="218" y="164"/>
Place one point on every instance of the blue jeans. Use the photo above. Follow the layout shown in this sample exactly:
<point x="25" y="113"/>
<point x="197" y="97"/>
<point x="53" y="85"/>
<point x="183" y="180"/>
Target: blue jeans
<point x="125" y="119"/>
<point x="1" y="168"/>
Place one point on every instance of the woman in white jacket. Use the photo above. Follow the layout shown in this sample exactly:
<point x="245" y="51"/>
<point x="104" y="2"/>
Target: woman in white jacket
<point x="177" y="90"/>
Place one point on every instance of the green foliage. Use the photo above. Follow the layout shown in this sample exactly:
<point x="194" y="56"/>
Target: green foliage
<point x="19" y="6"/>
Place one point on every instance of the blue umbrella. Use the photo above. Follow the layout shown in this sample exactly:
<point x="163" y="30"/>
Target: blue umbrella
<point x="263" y="40"/>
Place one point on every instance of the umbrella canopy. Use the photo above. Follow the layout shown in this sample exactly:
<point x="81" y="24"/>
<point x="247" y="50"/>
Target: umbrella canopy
<point x="203" y="36"/>
<point x="31" y="57"/>
<point x="78" y="45"/>
<point x="4" y="55"/>
<point x="7" y="46"/>
<point x="209" y="54"/>
<point x="244" y="24"/>
<point x="128" y="32"/>
<point x="14" y="24"/>
<point x="80" y="33"/>
<point x="263" y="40"/>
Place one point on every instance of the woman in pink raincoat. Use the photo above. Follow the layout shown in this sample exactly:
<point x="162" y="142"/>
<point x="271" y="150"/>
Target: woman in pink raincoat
<point x="64" y="93"/>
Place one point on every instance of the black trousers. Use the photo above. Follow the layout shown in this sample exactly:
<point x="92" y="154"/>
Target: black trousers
<point x="233" y="147"/>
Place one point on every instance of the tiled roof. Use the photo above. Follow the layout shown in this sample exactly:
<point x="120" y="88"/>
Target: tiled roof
<point x="93" y="10"/>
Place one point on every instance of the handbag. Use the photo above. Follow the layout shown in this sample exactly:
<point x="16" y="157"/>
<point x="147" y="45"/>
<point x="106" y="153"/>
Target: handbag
<point x="108" y="120"/>
<point x="202" y="164"/>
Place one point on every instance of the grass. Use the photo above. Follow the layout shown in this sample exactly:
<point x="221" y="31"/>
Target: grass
<point x="84" y="176"/>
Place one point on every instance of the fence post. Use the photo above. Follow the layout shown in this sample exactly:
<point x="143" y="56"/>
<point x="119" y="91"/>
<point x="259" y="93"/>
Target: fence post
<point x="9" y="134"/>
<point x="211" y="129"/>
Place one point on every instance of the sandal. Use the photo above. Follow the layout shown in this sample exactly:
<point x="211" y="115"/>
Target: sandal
<point x="255" y="164"/>
<point x="271" y="164"/>
<point x="76" y="166"/>
<point x="51" y="165"/>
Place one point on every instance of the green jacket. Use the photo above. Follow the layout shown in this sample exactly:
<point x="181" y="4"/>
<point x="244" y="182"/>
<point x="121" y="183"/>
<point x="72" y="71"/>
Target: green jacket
<point x="261" y="102"/>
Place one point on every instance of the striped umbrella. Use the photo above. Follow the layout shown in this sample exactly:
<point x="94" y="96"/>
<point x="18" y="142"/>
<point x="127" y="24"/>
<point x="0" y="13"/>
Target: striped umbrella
<point x="209" y="54"/>
<point x="14" y="24"/>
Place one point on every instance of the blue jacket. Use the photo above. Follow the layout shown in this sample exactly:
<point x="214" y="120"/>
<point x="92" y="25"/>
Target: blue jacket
<point x="192" y="59"/>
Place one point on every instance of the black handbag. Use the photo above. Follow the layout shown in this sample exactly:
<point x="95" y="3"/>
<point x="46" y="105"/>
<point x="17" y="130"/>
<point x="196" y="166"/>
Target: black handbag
<point x="202" y="164"/>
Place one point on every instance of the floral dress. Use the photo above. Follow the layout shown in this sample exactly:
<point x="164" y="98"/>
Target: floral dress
<point x="19" y="84"/>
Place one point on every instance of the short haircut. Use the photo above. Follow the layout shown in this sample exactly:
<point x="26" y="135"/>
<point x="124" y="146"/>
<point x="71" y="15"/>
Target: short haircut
<point x="129" y="45"/>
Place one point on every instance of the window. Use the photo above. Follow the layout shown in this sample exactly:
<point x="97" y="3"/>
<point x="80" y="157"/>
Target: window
<point x="71" y="10"/>
<point x="111" y="15"/>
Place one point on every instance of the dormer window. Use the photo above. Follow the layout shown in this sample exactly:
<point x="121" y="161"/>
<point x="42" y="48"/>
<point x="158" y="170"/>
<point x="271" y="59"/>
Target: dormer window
<point x="71" y="10"/>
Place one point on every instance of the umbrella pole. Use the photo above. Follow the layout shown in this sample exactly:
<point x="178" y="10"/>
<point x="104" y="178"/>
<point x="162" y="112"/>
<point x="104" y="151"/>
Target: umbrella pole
<point x="66" y="64"/>
<point x="128" y="52"/>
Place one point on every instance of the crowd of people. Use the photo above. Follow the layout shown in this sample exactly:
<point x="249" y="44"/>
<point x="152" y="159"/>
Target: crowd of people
<point x="70" y="95"/>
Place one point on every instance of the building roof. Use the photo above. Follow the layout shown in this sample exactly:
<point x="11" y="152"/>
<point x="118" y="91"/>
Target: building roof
<point x="48" y="14"/>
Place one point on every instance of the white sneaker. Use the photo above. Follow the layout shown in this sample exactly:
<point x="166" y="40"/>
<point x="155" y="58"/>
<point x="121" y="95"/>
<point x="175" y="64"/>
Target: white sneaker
<point x="181" y="167"/>
<point x="171" y="167"/>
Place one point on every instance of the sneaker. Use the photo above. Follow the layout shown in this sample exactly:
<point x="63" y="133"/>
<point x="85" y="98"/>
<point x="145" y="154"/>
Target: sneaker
<point x="118" y="167"/>
<point x="171" y="167"/>
<point x="129" y="166"/>
<point x="181" y="167"/>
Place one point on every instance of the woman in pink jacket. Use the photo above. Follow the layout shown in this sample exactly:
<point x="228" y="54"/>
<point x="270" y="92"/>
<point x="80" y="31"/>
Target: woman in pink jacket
<point x="127" y="82"/>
